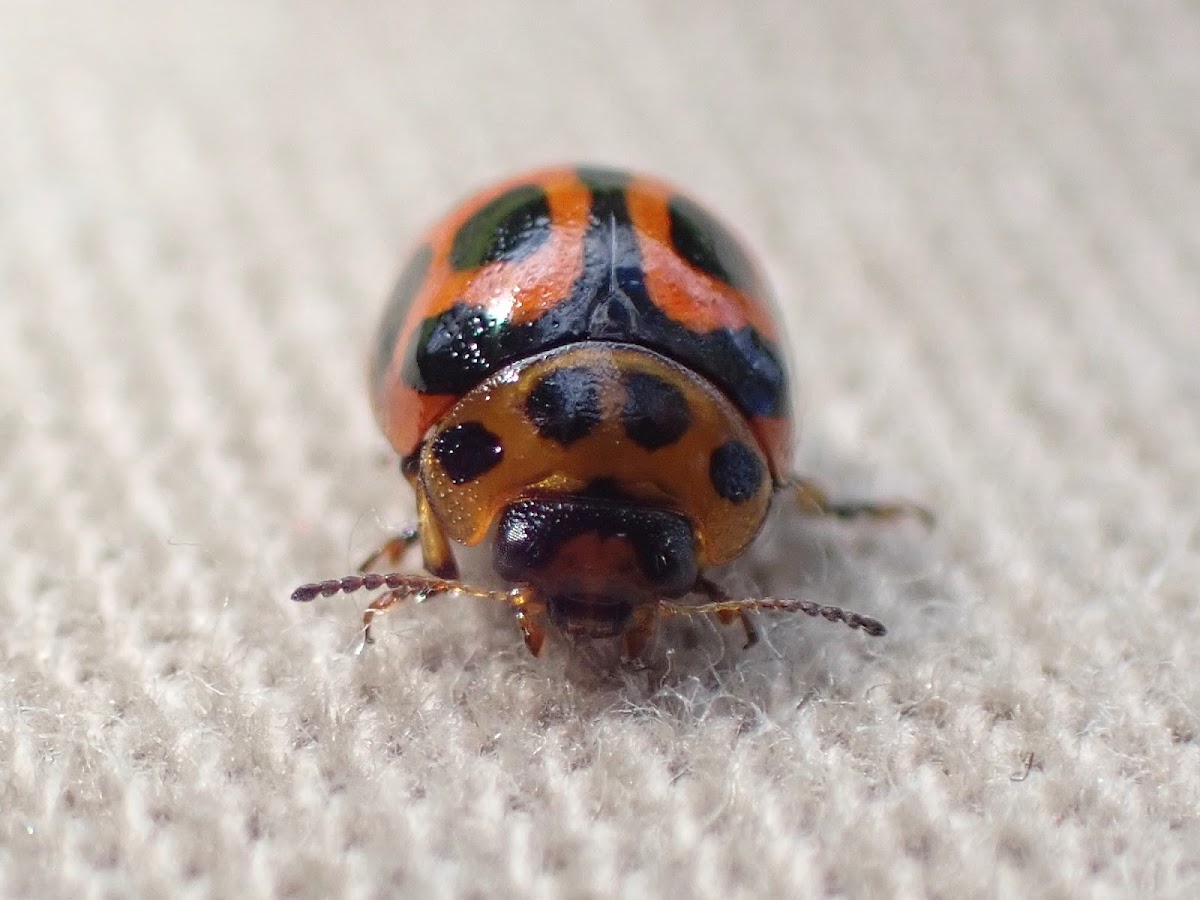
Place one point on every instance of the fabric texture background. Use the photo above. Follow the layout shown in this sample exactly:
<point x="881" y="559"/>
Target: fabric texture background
<point x="983" y="224"/>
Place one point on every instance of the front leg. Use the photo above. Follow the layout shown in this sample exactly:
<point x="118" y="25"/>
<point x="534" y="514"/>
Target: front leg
<point x="393" y="549"/>
<point x="814" y="500"/>
<point x="716" y="594"/>
<point x="640" y="630"/>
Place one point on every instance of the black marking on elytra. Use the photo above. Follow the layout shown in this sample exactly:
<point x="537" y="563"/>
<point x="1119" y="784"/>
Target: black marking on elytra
<point x="455" y="350"/>
<point x="398" y="305"/>
<point x="656" y="414"/>
<point x="467" y="451"/>
<point x="736" y="471"/>
<point x="705" y="243"/>
<point x="532" y="531"/>
<point x="565" y="404"/>
<point x="510" y="227"/>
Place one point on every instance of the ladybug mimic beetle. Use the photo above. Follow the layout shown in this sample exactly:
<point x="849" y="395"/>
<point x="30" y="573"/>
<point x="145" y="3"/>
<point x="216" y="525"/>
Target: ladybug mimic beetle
<point x="583" y="376"/>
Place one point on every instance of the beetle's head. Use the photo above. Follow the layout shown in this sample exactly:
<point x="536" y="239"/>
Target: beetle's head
<point x="592" y="561"/>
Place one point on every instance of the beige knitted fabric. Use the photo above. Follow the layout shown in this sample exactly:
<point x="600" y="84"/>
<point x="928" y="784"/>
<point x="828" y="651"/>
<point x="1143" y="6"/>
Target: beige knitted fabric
<point x="983" y="221"/>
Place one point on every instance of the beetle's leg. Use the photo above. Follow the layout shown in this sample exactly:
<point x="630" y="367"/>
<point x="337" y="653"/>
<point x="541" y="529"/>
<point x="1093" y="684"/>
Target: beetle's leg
<point x="400" y="587"/>
<point x="529" y="619"/>
<point x="379" y="606"/>
<point x="813" y="500"/>
<point x="715" y="594"/>
<point x="393" y="549"/>
<point x="728" y="616"/>
<point x="722" y="603"/>
<point x="435" y="546"/>
<point x="437" y="556"/>
<point x="640" y="629"/>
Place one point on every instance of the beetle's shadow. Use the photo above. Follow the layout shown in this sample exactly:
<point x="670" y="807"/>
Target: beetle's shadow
<point x="696" y="666"/>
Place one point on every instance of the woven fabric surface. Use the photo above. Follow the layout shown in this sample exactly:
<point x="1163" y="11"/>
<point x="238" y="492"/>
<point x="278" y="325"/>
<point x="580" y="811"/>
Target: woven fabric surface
<point x="983" y="224"/>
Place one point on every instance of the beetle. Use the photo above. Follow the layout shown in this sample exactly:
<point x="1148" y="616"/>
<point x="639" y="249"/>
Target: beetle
<point x="582" y="372"/>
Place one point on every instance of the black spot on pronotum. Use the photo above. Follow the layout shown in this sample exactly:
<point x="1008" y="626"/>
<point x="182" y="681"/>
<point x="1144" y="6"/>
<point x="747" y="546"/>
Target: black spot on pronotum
<point x="398" y="305"/>
<point x="656" y="414"/>
<point x="510" y="227"/>
<point x="736" y="471"/>
<point x="565" y="405"/>
<point x="706" y="244"/>
<point x="467" y="451"/>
